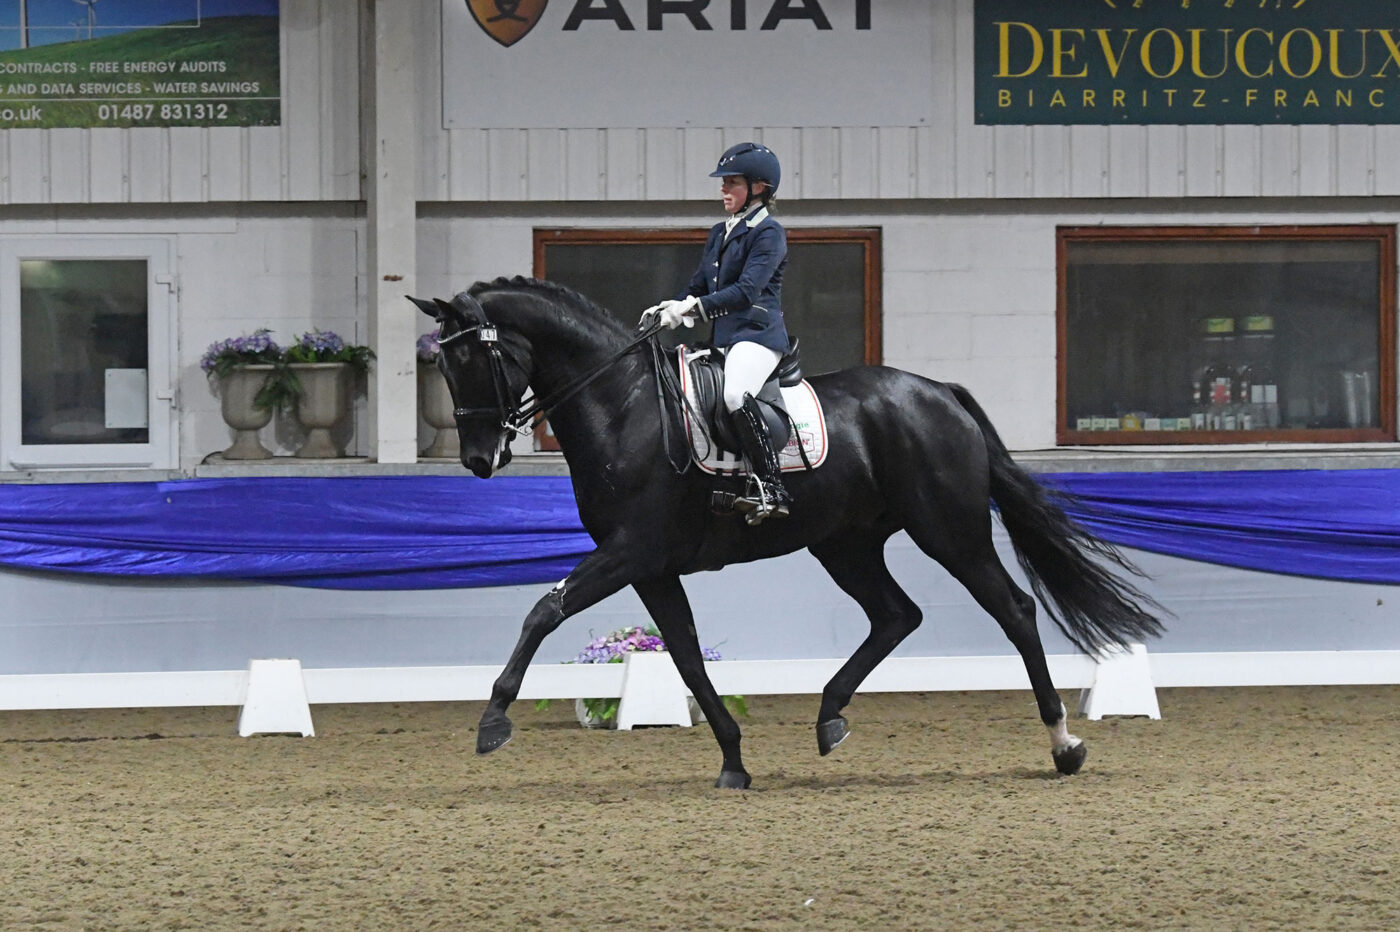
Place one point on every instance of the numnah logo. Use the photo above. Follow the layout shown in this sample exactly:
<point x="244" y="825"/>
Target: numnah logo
<point x="507" y="21"/>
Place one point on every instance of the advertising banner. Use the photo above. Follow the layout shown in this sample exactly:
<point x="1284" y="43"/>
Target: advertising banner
<point x="674" y="63"/>
<point x="86" y="63"/>
<point x="1178" y="61"/>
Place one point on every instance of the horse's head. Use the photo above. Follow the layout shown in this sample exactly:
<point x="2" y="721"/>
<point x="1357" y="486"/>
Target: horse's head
<point x="485" y="377"/>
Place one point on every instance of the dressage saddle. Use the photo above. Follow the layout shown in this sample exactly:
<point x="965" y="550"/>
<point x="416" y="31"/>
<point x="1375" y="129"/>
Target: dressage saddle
<point x="706" y="371"/>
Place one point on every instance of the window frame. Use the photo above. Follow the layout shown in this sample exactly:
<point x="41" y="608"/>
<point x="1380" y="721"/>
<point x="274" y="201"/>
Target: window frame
<point x="1383" y="235"/>
<point x="870" y="237"/>
<point x="160" y="451"/>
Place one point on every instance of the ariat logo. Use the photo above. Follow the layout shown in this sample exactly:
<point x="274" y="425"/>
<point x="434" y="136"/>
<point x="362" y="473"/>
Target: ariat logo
<point x="507" y="21"/>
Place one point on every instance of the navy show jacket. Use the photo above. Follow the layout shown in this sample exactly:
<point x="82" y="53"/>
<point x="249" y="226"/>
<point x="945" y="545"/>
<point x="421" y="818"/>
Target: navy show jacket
<point x="740" y="282"/>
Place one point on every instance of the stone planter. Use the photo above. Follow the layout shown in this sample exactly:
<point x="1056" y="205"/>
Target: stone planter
<point x="435" y="404"/>
<point x="323" y="404"/>
<point x="237" y="389"/>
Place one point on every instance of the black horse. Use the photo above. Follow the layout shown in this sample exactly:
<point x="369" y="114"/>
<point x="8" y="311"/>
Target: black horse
<point x="905" y="453"/>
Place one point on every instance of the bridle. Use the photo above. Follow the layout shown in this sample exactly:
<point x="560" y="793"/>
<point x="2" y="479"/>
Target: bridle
<point x="522" y="416"/>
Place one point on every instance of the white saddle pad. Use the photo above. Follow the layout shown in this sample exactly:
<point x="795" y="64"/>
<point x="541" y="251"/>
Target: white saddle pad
<point x="802" y="406"/>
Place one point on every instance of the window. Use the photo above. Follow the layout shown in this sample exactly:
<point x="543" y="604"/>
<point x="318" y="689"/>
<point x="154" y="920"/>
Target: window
<point x="85" y="353"/>
<point x="831" y="288"/>
<point x="1226" y="335"/>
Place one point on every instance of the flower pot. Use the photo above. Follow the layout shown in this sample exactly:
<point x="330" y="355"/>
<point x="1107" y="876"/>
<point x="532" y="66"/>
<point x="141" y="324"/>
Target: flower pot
<point x="435" y="404"/>
<point x="323" y="403"/>
<point x="237" y="389"/>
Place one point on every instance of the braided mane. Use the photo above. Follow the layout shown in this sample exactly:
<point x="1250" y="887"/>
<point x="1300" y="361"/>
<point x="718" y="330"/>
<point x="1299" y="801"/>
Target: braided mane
<point x="596" y="316"/>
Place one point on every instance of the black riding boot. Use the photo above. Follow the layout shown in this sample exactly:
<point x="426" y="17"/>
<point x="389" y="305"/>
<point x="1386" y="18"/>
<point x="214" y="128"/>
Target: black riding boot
<point x="772" y="498"/>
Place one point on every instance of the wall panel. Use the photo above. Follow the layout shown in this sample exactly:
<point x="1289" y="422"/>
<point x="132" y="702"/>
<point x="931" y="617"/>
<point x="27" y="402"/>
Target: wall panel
<point x="949" y="157"/>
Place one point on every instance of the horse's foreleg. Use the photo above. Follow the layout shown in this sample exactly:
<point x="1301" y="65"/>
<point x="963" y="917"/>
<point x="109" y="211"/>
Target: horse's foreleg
<point x="858" y="567"/>
<point x="665" y="599"/>
<point x="596" y="577"/>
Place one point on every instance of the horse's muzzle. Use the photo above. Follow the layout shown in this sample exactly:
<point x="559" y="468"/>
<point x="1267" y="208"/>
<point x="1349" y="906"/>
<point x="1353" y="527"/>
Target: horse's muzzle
<point x="483" y="467"/>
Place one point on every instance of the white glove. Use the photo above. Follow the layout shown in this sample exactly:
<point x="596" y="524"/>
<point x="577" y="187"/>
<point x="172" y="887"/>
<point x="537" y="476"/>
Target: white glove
<point x="674" y="313"/>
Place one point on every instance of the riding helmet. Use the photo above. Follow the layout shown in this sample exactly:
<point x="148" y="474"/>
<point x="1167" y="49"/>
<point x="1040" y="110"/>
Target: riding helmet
<point x="754" y="161"/>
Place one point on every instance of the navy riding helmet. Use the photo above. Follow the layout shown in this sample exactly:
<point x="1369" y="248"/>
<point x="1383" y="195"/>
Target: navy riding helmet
<point x="755" y="162"/>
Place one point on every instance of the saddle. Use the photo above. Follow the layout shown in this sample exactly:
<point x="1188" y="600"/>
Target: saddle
<point x="789" y="406"/>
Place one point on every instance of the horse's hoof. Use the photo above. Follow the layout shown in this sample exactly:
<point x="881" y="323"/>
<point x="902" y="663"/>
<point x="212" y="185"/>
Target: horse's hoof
<point x="493" y="735"/>
<point x="733" y="780"/>
<point x="1070" y="759"/>
<point x="831" y="733"/>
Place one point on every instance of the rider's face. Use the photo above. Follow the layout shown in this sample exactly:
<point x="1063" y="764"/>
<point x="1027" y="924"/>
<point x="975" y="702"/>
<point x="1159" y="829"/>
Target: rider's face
<point x="733" y="189"/>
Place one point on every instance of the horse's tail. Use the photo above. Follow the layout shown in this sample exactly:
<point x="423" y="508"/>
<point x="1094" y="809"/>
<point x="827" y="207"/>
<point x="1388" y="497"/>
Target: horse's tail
<point x="1092" y="605"/>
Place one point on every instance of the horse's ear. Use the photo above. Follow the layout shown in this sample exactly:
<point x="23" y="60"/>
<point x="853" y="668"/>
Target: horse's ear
<point x="444" y="311"/>
<point x="427" y="307"/>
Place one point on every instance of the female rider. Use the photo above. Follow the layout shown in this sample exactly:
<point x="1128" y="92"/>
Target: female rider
<point x="738" y="285"/>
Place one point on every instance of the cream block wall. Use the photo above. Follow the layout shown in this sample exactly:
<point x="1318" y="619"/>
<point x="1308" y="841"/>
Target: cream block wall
<point x="291" y="274"/>
<point x="969" y="290"/>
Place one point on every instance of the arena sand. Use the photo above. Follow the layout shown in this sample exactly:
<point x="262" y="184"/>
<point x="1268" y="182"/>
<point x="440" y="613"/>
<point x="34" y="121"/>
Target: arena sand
<point x="1241" y="809"/>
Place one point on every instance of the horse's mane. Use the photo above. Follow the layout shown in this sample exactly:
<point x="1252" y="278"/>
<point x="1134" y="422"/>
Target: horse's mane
<point x="596" y="315"/>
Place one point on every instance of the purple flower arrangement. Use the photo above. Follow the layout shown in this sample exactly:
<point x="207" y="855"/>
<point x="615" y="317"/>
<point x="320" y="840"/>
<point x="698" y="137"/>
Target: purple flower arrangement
<point x="282" y="387"/>
<point x="428" y="347"/>
<point x="327" y="346"/>
<point x="257" y="347"/>
<point x="612" y="648"/>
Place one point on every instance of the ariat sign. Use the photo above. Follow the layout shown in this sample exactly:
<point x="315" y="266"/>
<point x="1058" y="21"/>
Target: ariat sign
<point x="672" y="63"/>
<point x="1178" y="61"/>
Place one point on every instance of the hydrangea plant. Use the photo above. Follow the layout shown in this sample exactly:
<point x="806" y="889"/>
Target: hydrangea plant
<point x="253" y="348"/>
<point x="256" y="348"/>
<point x="613" y="647"/>
<point x="428" y="347"/>
<point x="327" y="346"/>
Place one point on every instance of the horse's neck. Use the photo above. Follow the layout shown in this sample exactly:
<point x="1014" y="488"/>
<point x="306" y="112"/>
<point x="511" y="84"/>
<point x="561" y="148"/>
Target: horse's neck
<point x="563" y="349"/>
<point x="566" y="349"/>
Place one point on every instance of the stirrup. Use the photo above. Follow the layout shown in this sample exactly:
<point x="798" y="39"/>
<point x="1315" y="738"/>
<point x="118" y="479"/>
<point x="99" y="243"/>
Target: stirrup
<point x="758" y="507"/>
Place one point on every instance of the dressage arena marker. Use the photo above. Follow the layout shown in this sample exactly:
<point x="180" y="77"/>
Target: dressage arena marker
<point x="276" y="700"/>
<point x="652" y="692"/>
<point x="1122" y="686"/>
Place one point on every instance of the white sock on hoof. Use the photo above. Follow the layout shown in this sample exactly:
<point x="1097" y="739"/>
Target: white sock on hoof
<point x="1060" y="738"/>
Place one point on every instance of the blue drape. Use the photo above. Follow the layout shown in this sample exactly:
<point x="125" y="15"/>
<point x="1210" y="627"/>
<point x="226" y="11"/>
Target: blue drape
<point x="341" y="533"/>
<point x="439" y="532"/>
<point x="1333" y="524"/>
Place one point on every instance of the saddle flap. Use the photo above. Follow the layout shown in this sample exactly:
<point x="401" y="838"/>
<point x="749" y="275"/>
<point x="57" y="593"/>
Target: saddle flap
<point x="793" y="413"/>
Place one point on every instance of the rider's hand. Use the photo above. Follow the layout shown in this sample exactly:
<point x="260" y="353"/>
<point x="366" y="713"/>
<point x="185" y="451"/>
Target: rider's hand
<point x="672" y="314"/>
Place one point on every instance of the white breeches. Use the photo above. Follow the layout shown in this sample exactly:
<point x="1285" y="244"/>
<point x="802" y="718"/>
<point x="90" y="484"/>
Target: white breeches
<point x="746" y="367"/>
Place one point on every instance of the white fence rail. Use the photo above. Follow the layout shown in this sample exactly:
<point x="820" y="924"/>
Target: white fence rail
<point x="1124" y="684"/>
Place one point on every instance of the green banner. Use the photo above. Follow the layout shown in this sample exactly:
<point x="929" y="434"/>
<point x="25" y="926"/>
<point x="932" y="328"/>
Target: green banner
<point x="1178" y="61"/>
<point x="139" y="63"/>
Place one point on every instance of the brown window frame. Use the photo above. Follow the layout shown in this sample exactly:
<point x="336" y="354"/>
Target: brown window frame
<point x="622" y="236"/>
<point x="1382" y="235"/>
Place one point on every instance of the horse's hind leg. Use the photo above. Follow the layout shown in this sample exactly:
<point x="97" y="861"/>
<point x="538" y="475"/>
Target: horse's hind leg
<point x="858" y="567"/>
<point x="980" y="570"/>
<point x="665" y="599"/>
